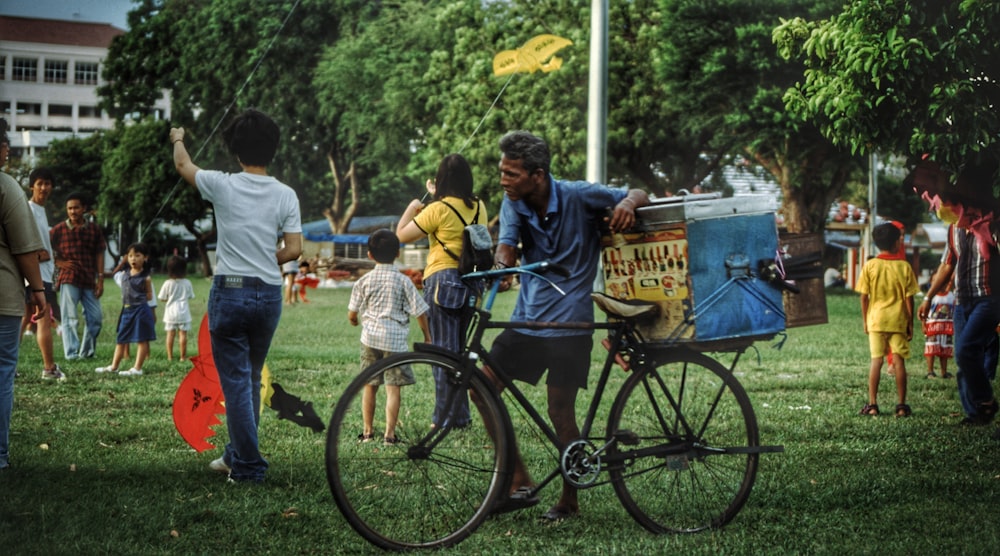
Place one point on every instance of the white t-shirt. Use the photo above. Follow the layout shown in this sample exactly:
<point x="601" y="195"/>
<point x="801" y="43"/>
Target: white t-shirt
<point x="48" y="267"/>
<point x="175" y="293"/>
<point x="252" y="213"/>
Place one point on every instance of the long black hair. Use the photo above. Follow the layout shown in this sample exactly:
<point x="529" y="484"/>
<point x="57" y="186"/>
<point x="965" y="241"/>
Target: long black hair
<point x="454" y="179"/>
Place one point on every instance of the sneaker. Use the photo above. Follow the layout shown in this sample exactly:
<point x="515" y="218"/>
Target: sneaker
<point x="219" y="465"/>
<point x="131" y="372"/>
<point x="108" y="369"/>
<point x="55" y="374"/>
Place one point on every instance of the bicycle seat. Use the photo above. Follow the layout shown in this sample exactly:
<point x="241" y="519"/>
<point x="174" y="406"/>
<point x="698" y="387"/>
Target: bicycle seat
<point x="631" y="309"/>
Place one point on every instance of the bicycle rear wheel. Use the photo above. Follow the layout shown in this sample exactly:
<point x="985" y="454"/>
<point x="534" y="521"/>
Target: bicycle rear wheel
<point x="685" y="458"/>
<point x="432" y="488"/>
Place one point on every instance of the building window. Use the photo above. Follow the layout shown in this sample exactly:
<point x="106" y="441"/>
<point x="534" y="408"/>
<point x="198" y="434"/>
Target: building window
<point x="5" y="108"/>
<point x="56" y="71"/>
<point x="89" y="112"/>
<point x="86" y="73"/>
<point x="3" y="68"/>
<point x="60" y="110"/>
<point x="29" y="108"/>
<point x="25" y="69"/>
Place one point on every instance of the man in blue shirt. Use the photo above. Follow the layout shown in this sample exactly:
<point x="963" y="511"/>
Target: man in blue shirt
<point x="556" y="221"/>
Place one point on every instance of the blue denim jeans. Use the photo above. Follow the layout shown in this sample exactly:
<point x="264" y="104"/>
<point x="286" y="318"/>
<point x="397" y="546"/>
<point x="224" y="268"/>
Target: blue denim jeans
<point x="69" y="297"/>
<point x="975" y="344"/>
<point x="10" y="328"/>
<point x="243" y="313"/>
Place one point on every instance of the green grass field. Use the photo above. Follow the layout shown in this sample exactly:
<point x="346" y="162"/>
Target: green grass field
<point x="98" y="467"/>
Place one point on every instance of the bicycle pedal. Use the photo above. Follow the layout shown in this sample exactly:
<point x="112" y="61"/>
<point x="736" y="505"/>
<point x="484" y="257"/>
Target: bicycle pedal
<point x="627" y="437"/>
<point x="618" y="357"/>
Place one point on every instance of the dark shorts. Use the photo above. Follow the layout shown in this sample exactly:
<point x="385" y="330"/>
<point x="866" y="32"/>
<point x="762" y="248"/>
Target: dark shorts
<point x="50" y="296"/>
<point x="525" y="358"/>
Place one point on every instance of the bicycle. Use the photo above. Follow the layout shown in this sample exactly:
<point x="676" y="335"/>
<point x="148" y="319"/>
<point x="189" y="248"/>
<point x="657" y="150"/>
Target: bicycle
<point x="680" y="447"/>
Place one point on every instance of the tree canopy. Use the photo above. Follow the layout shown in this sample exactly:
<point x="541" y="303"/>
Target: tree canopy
<point x="370" y="95"/>
<point x="908" y="77"/>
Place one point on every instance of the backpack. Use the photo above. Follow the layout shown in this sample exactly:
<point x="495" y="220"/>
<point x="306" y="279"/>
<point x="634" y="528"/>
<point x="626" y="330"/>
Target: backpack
<point x="477" y="245"/>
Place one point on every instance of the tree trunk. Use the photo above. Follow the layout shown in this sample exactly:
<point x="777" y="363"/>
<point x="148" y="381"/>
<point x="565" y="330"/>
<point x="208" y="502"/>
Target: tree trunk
<point x="337" y="215"/>
<point x="201" y="239"/>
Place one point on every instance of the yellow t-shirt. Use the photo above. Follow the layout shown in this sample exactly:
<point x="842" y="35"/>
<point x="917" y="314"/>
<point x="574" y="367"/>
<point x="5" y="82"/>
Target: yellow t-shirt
<point x="887" y="283"/>
<point x="441" y="224"/>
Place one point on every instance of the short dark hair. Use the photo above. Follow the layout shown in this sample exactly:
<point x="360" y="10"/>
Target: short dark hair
<point x="454" y="179"/>
<point x="531" y="150"/>
<point x="886" y="235"/>
<point x="41" y="174"/>
<point x="138" y="247"/>
<point x="176" y="267"/>
<point x="383" y="246"/>
<point x="253" y="137"/>
<point x="79" y="196"/>
<point x="3" y="131"/>
<point x="304" y="264"/>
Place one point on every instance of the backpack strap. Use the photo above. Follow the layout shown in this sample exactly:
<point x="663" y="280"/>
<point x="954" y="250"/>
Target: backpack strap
<point x="464" y="223"/>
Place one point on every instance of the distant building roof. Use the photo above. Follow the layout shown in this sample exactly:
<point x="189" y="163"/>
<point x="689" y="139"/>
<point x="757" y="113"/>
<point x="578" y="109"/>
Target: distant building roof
<point x="55" y="31"/>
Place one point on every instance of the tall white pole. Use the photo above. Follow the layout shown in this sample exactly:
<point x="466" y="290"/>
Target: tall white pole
<point x="597" y="112"/>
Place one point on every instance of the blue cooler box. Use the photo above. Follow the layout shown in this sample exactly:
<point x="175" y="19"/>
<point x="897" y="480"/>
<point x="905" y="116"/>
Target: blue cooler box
<point x="683" y="254"/>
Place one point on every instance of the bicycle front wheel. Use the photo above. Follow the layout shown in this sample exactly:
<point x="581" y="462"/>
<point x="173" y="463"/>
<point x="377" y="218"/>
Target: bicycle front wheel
<point x="684" y="460"/>
<point x="433" y="487"/>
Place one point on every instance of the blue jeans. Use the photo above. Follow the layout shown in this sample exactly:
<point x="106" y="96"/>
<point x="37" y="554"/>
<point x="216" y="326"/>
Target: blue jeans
<point x="243" y="313"/>
<point x="69" y="297"/>
<point x="975" y="344"/>
<point x="10" y="328"/>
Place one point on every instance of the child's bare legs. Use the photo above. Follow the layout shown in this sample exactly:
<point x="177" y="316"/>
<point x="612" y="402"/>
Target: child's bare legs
<point x="368" y="409"/>
<point x="874" y="375"/>
<point x="182" y="341"/>
<point x="121" y="351"/>
<point x="170" y="345"/>
<point x="944" y="366"/>
<point x="392" y="397"/>
<point x="930" y="367"/>
<point x="141" y="354"/>
<point x="900" y="379"/>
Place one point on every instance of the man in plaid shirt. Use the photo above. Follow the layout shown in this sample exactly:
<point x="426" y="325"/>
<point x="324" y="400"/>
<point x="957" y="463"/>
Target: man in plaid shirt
<point x="78" y="246"/>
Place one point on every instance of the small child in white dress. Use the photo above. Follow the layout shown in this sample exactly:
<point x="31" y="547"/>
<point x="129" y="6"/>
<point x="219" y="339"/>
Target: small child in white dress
<point x="175" y="293"/>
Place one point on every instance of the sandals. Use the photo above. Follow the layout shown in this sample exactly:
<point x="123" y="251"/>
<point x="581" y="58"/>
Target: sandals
<point x="903" y="410"/>
<point x="869" y="409"/>
<point x="365" y="437"/>
<point x="518" y="500"/>
<point x="556" y="514"/>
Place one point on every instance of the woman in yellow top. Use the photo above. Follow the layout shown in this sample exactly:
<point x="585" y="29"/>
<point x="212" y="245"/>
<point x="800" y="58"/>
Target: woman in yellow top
<point x="442" y="220"/>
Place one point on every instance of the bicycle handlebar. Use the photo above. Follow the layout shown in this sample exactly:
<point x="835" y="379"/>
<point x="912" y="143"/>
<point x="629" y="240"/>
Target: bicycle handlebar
<point x="535" y="269"/>
<point x="540" y="267"/>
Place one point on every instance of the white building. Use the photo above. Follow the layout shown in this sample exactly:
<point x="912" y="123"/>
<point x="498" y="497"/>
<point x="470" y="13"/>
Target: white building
<point x="49" y="74"/>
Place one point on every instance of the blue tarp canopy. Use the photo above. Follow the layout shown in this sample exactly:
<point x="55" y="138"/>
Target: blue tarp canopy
<point x="358" y="229"/>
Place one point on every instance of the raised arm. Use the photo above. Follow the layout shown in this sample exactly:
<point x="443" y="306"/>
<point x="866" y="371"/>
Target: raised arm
<point x="182" y="160"/>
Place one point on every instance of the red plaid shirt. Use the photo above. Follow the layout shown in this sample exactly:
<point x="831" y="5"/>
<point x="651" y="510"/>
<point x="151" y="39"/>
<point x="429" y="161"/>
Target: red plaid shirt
<point x="81" y="244"/>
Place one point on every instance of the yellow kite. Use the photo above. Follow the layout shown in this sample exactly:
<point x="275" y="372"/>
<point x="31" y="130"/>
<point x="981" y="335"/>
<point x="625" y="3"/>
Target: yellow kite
<point x="532" y="56"/>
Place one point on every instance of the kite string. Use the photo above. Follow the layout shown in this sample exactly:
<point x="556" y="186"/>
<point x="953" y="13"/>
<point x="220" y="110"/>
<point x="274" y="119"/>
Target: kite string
<point x="487" y="114"/>
<point x="229" y="108"/>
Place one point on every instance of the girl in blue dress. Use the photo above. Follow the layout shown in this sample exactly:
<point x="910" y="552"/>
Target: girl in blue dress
<point x="137" y="322"/>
